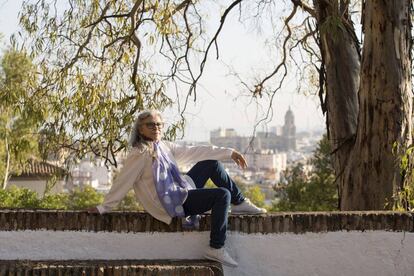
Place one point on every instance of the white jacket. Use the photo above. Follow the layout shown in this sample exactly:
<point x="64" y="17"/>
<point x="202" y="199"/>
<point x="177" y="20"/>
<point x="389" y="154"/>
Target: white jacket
<point x="137" y="174"/>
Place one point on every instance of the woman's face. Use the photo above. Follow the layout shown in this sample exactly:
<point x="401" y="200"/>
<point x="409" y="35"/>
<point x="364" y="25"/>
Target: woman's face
<point x="151" y="127"/>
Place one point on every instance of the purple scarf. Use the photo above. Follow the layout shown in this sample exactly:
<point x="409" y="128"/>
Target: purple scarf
<point x="171" y="188"/>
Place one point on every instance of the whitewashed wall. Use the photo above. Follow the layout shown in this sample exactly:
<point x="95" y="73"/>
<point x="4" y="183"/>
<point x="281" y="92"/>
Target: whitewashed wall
<point x="334" y="253"/>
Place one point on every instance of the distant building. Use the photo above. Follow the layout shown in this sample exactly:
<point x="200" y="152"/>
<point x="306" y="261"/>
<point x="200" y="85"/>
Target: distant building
<point x="37" y="174"/>
<point x="228" y="132"/>
<point x="278" y="139"/>
<point x="289" y="131"/>
<point x="276" y="130"/>
<point x="239" y="143"/>
<point x="271" y="164"/>
<point x="270" y="141"/>
<point x="217" y="133"/>
<point x="95" y="174"/>
<point x="267" y="160"/>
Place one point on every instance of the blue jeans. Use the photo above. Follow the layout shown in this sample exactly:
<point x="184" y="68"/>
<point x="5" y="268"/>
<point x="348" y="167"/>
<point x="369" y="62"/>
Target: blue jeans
<point x="217" y="200"/>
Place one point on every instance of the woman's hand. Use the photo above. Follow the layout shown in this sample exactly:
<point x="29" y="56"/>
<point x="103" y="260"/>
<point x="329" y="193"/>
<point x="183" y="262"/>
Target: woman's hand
<point x="239" y="159"/>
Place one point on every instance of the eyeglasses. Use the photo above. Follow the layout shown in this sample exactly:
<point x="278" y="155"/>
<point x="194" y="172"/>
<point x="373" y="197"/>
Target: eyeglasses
<point x="153" y="125"/>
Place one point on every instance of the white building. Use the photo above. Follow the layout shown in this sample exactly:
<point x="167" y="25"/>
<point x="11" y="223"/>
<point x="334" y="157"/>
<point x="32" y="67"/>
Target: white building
<point x="267" y="160"/>
<point x="221" y="132"/>
<point x="39" y="176"/>
<point x="96" y="175"/>
<point x="272" y="164"/>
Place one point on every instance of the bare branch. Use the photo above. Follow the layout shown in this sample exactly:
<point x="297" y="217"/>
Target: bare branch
<point x="305" y="7"/>
<point x="137" y="43"/>
<point x="260" y="86"/>
<point x="213" y="40"/>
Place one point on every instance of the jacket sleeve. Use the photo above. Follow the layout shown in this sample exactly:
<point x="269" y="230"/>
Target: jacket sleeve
<point x="192" y="154"/>
<point x="131" y="170"/>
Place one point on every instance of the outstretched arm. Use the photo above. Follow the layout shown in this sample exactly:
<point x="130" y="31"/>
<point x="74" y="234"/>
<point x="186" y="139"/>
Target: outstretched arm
<point x="193" y="154"/>
<point x="133" y="167"/>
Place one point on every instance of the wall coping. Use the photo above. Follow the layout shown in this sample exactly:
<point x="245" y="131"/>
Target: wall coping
<point x="111" y="267"/>
<point x="289" y="222"/>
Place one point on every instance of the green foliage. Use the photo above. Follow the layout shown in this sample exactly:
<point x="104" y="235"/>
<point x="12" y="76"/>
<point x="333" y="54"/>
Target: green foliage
<point x="14" y="197"/>
<point x="83" y="198"/>
<point x="18" y="198"/>
<point x="210" y="184"/>
<point x="78" y="199"/>
<point x="317" y="192"/>
<point x="404" y="197"/>
<point x="255" y="194"/>
<point x="55" y="201"/>
<point x="129" y="203"/>
<point x="333" y="27"/>
<point x="21" y="111"/>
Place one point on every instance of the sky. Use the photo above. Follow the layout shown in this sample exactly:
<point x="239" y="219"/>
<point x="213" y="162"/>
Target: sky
<point x="219" y="100"/>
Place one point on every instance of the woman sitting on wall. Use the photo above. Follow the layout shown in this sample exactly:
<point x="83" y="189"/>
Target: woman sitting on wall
<point x="151" y="170"/>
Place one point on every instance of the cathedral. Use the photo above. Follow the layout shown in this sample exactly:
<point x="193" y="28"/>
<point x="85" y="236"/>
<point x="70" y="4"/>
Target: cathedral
<point x="289" y="131"/>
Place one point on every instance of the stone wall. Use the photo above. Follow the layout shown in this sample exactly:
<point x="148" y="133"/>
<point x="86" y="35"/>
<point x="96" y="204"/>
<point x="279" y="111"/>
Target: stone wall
<point x="110" y="268"/>
<point x="50" y="242"/>
<point x="12" y="220"/>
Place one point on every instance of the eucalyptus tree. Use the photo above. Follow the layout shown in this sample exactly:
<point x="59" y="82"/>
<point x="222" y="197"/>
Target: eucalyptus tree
<point x="368" y="98"/>
<point x="103" y="61"/>
<point x="20" y="112"/>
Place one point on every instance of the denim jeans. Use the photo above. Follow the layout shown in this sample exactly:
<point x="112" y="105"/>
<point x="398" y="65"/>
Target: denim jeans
<point x="217" y="200"/>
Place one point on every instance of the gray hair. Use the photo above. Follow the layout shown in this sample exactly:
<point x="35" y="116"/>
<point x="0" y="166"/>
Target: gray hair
<point x="136" y="140"/>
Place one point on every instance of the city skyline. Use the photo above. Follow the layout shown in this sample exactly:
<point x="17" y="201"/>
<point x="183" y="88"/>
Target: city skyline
<point x="245" y="131"/>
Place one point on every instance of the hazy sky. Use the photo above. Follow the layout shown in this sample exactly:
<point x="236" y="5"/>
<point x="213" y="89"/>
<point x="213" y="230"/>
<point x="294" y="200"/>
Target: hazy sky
<point x="219" y="103"/>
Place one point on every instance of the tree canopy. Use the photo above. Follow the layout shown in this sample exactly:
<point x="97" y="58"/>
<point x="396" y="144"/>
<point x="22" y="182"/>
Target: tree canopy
<point x="21" y="112"/>
<point x="102" y="62"/>
<point x="316" y="192"/>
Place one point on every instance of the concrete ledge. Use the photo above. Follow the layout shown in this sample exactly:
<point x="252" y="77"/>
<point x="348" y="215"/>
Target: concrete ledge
<point x="18" y="219"/>
<point x="111" y="267"/>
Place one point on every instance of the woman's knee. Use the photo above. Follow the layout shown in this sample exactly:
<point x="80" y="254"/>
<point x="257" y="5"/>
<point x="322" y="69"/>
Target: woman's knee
<point x="212" y="163"/>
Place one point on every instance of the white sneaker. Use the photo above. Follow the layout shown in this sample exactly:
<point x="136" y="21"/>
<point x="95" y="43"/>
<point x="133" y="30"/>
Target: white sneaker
<point x="220" y="255"/>
<point x="247" y="207"/>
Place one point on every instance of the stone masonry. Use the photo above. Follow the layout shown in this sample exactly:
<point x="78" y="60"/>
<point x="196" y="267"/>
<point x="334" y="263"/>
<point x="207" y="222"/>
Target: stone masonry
<point x="14" y="220"/>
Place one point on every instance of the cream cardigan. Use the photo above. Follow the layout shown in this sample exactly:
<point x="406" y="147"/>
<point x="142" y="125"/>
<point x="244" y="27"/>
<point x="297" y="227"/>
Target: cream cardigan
<point x="137" y="174"/>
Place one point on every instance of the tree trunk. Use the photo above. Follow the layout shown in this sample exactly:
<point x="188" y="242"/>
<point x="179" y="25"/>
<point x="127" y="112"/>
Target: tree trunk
<point x="372" y="174"/>
<point x="7" y="169"/>
<point x="341" y="56"/>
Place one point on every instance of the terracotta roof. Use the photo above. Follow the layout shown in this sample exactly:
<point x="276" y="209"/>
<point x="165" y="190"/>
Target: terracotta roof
<point x="35" y="167"/>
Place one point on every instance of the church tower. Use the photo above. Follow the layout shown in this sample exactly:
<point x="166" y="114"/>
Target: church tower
<point x="289" y="131"/>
